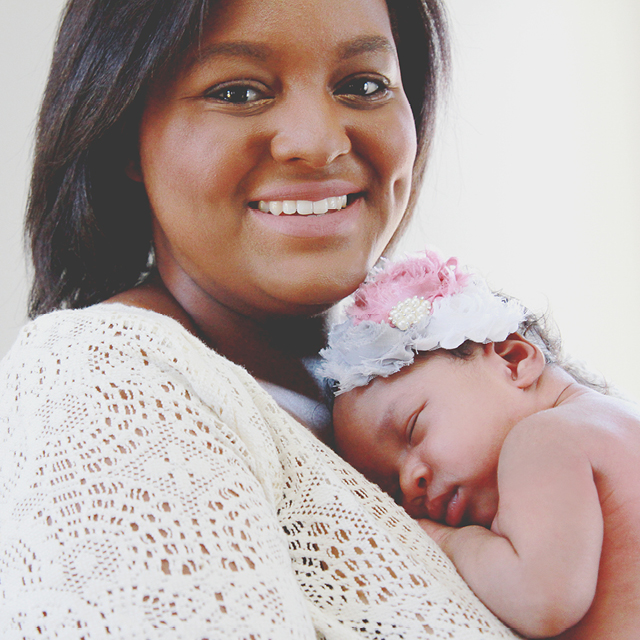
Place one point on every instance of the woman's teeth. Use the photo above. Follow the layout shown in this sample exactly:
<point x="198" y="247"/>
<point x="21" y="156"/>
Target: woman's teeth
<point x="302" y="207"/>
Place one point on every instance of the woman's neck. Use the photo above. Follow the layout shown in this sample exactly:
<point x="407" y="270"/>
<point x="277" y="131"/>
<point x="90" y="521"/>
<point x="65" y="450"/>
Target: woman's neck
<point x="271" y="349"/>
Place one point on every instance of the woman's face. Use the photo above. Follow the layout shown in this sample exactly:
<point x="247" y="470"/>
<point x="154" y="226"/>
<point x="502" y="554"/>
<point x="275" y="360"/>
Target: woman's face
<point x="285" y="101"/>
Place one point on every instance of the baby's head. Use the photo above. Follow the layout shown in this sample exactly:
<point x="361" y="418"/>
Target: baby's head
<point x="431" y="371"/>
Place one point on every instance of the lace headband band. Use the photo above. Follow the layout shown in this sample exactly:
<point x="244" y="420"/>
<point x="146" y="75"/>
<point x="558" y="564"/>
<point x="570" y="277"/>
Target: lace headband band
<point x="417" y="304"/>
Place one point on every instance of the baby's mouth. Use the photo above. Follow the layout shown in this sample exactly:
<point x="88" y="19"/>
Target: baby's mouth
<point x="438" y="507"/>
<point x="304" y="207"/>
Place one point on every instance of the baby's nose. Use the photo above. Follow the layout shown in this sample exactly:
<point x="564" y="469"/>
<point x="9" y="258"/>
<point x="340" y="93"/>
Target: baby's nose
<point x="415" y="477"/>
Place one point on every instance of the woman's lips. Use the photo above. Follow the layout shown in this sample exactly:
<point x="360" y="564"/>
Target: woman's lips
<point x="302" y="207"/>
<point x="334" y="223"/>
<point x="306" y="198"/>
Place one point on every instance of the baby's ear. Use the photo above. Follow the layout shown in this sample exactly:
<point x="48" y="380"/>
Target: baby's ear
<point x="523" y="360"/>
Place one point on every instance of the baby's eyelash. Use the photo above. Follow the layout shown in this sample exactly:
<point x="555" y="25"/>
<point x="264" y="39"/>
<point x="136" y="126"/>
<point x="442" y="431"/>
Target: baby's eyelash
<point x="413" y="421"/>
<point x="412" y="425"/>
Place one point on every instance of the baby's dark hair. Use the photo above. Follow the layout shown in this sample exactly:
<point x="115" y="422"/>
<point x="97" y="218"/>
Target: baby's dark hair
<point x="541" y="331"/>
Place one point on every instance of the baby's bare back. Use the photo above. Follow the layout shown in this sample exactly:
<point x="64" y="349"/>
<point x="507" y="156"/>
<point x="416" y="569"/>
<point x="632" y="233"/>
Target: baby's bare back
<point x="610" y="431"/>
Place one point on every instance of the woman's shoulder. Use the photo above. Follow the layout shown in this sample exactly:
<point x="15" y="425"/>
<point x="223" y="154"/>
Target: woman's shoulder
<point x="122" y="352"/>
<point x="59" y="325"/>
<point x="112" y="319"/>
<point x="128" y="368"/>
<point x="110" y="333"/>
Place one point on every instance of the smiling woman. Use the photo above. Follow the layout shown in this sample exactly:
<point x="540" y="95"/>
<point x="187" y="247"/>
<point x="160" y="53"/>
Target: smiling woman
<point x="256" y="118"/>
<point x="210" y="179"/>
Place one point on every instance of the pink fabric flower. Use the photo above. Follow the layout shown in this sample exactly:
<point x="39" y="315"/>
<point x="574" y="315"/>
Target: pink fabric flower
<point x="429" y="277"/>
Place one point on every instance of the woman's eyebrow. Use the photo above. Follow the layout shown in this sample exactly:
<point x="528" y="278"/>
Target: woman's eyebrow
<point x="231" y="49"/>
<point x="366" y="44"/>
<point x="350" y="49"/>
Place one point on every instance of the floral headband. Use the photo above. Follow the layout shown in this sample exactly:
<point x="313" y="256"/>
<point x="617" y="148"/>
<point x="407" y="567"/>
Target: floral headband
<point x="417" y="304"/>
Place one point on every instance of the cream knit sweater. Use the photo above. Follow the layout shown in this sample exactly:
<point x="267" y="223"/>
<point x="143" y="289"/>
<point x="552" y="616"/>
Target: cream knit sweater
<point x="150" y="489"/>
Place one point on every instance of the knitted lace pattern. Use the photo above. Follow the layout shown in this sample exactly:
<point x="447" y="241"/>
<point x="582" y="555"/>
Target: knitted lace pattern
<point x="150" y="489"/>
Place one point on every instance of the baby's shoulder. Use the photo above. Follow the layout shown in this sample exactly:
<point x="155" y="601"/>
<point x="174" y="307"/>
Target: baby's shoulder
<point x="600" y="427"/>
<point x="600" y="417"/>
<point x="603" y="428"/>
<point x="586" y="414"/>
<point x="612" y="430"/>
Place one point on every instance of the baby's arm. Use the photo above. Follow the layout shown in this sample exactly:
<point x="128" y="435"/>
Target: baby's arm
<point x="537" y="567"/>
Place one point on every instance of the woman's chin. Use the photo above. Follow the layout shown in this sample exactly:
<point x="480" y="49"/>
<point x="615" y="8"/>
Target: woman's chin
<point x="315" y="295"/>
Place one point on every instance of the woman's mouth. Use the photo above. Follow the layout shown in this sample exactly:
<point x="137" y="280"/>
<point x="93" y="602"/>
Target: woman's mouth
<point x="332" y="216"/>
<point x="303" y="207"/>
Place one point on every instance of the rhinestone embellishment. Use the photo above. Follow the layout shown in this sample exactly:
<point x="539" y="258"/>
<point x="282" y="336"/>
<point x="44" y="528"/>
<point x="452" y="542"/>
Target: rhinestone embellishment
<point x="406" y="313"/>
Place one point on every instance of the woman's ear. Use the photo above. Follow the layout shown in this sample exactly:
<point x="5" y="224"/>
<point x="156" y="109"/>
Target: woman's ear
<point x="523" y="360"/>
<point x="132" y="169"/>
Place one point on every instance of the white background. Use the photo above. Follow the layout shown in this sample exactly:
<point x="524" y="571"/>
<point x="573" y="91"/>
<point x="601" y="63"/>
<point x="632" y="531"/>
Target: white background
<point x="535" y="178"/>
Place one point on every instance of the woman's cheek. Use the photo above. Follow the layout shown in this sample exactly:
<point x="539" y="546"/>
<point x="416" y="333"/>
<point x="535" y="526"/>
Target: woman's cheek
<point x="396" y="146"/>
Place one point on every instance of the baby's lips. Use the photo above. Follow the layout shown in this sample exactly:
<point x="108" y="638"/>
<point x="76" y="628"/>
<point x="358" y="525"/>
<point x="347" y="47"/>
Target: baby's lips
<point x="439" y="505"/>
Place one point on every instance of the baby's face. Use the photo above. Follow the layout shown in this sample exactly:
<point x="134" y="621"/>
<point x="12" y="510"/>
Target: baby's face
<point x="430" y="436"/>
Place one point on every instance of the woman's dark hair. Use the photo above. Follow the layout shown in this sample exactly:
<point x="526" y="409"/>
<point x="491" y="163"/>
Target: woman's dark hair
<point x="88" y="224"/>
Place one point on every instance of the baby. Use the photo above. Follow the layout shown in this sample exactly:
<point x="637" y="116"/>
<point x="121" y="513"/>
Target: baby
<point x="530" y="479"/>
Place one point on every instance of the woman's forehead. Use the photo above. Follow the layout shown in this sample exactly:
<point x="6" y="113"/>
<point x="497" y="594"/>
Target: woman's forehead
<point x="317" y="33"/>
<point x="291" y="19"/>
<point x="210" y="50"/>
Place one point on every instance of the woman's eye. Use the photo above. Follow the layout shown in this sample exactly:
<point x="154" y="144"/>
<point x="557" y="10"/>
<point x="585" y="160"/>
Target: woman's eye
<point x="363" y="88"/>
<point x="238" y="94"/>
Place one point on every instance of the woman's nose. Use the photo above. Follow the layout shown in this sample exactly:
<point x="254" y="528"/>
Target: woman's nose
<point x="310" y="131"/>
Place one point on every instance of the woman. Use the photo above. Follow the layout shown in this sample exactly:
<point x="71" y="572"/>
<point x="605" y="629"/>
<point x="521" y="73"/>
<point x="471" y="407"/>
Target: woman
<point x="266" y="152"/>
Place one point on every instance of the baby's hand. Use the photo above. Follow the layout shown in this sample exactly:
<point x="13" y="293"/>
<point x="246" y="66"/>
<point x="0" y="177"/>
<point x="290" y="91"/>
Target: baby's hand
<point x="436" y="531"/>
